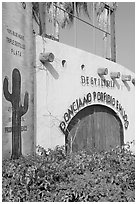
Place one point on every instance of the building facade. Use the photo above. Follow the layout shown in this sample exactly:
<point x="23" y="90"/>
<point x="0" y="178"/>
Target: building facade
<point x="54" y="94"/>
<point x="82" y="100"/>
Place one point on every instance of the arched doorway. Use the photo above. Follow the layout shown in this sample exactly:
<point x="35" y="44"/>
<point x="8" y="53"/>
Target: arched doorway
<point x="95" y="127"/>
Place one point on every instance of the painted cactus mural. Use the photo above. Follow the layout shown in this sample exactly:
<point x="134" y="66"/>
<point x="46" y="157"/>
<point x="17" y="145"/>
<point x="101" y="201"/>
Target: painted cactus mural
<point x="18" y="110"/>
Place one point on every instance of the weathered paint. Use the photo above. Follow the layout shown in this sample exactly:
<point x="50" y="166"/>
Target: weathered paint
<point x="73" y="79"/>
<point x="18" y="52"/>
<point x="94" y="127"/>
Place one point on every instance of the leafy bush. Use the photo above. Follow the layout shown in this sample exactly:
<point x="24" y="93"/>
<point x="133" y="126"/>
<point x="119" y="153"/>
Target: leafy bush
<point x="56" y="177"/>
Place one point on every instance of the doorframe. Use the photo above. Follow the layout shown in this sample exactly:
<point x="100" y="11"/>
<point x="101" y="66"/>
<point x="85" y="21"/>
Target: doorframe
<point x="85" y="112"/>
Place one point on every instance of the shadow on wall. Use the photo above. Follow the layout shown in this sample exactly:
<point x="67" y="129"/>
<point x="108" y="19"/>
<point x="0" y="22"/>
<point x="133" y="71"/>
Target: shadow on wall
<point x="51" y="69"/>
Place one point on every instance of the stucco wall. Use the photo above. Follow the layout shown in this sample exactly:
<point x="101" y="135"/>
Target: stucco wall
<point x="17" y="52"/>
<point x="59" y="87"/>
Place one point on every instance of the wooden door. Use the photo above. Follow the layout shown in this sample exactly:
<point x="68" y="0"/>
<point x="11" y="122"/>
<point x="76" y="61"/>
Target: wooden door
<point x="98" y="130"/>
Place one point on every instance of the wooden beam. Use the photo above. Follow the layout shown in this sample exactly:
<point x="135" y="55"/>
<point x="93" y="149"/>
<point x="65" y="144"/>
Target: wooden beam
<point x="112" y="31"/>
<point x="112" y="34"/>
<point x="42" y="13"/>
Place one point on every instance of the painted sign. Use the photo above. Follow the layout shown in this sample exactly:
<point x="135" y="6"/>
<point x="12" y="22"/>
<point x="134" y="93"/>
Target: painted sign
<point x="101" y="98"/>
<point x="96" y="82"/>
<point x="17" y="54"/>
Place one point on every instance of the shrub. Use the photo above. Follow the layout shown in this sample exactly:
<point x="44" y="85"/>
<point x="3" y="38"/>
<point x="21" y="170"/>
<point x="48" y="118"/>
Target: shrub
<point x="56" y="177"/>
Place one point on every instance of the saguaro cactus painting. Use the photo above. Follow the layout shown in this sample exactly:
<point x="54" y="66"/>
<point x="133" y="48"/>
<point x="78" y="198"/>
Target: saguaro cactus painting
<point x="18" y="110"/>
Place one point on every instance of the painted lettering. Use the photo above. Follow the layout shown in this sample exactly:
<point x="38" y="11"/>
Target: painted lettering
<point x="94" y="95"/>
<point x="87" y="80"/>
<point x="9" y="129"/>
<point x="63" y="127"/>
<point x="15" y="52"/>
<point x="85" y="101"/>
<point x="126" y="124"/>
<point x="83" y="80"/>
<point x="66" y="117"/>
<point x="101" y="97"/>
<point x="93" y="81"/>
<point x="80" y="103"/>
<point x="89" y="98"/>
<point x="75" y="107"/>
<point x="12" y="32"/>
<point x="15" y="43"/>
